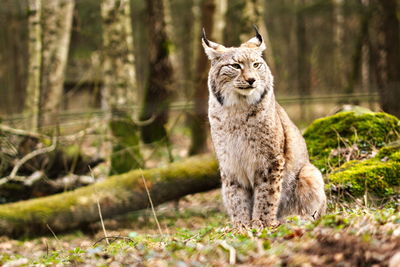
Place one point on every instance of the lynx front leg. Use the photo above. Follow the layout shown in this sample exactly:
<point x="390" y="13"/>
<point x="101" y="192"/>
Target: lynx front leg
<point x="267" y="192"/>
<point x="237" y="200"/>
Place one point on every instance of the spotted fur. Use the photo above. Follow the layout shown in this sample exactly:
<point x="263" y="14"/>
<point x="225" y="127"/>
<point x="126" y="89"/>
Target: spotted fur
<point x="264" y="164"/>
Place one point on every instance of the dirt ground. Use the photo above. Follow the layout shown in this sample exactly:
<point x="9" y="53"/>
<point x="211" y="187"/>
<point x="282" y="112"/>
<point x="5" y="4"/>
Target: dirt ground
<point x="196" y="232"/>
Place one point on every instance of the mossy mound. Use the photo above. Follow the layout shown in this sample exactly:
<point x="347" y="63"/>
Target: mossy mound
<point x="379" y="175"/>
<point x="361" y="132"/>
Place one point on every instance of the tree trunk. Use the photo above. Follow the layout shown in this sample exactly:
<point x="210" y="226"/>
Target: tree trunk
<point x="56" y="31"/>
<point x="198" y="121"/>
<point x="13" y="55"/>
<point x="235" y="25"/>
<point x="338" y="24"/>
<point x="303" y="57"/>
<point x="120" y="84"/>
<point x="118" y="59"/>
<point x="32" y="96"/>
<point x="157" y="91"/>
<point x="255" y="14"/>
<point x="183" y="30"/>
<point x="388" y="55"/>
<point x="360" y="42"/>
<point x="116" y="195"/>
<point x="140" y="36"/>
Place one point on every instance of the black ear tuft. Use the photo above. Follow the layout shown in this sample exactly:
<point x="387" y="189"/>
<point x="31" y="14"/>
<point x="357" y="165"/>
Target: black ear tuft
<point x="203" y="36"/>
<point x="258" y="35"/>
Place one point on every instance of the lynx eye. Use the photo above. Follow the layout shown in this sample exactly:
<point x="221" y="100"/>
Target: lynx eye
<point x="257" y="65"/>
<point x="236" y="66"/>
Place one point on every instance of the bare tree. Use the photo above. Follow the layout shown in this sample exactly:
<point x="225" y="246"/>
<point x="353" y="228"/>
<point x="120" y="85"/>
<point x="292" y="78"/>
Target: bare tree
<point x="198" y="120"/>
<point x="182" y="32"/>
<point x="13" y="54"/>
<point x="118" y="59"/>
<point x="157" y="94"/>
<point x="120" y="84"/>
<point x="360" y="44"/>
<point x="303" y="56"/>
<point x="35" y="62"/>
<point x="338" y="25"/>
<point x="56" y="22"/>
<point x="387" y="55"/>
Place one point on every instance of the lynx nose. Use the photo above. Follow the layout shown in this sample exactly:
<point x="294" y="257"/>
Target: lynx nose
<point x="250" y="81"/>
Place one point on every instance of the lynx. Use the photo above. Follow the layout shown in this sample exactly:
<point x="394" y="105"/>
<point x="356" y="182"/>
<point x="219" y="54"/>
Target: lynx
<point x="265" y="169"/>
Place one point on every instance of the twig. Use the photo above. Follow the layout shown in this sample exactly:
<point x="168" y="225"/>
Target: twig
<point x="151" y="204"/>
<point x="102" y="222"/>
<point x="144" y="122"/>
<point x="83" y="133"/>
<point x="31" y="155"/>
<point x="27" y="157"/>
<point x="54" y="234"/>
<point x="7" y="129"/>
<point x="100" y="214"/>
<point x="232" y="251"/>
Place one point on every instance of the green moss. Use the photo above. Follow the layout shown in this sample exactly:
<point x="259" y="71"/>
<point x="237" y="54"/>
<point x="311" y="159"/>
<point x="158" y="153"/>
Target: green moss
<point x="72" y="151"/>
<point x="379" y="175"/>
<point x="364" y="130"/>
<point x="125" y="152"/>
<point x="391" y="151"/>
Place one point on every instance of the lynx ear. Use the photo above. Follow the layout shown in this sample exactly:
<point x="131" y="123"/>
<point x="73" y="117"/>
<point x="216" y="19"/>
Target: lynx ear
<point x="256" y="42"/>
<point x="213" y="50"/>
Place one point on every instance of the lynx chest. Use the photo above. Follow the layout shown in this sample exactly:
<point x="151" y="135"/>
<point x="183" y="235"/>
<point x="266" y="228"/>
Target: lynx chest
<point x="241" y="142"/>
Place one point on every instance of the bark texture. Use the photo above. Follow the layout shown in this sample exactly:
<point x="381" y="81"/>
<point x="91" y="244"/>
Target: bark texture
<point x="35" y="61"/>
<point x="360" y="43"/>
<point x="118" y="59"/>
<point x="303" y="57"/>
<point x="156" y="95"/>
<point x="198" y="120"/>
<point x="388" y="55"/>
<point x="56" y="22"/>
<point x="13" y="55"/>
<point x="120" y="88"/>
<point x="184" y="34"/>
<point x="116" y="195"/>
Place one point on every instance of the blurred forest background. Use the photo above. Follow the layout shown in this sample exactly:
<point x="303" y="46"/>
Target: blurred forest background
<point x="132" y="74"/>
<point x="91" y="89"/>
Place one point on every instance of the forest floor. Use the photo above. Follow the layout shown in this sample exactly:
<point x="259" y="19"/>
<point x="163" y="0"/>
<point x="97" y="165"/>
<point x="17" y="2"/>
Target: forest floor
<point x="196" y="232"/>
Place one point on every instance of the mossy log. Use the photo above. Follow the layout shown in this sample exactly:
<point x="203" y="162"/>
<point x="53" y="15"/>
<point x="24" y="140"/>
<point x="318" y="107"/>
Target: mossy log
<point x="116" y="195"/>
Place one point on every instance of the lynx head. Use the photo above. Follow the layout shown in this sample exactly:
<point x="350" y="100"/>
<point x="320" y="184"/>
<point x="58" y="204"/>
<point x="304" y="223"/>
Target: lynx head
<point x="238" y="74"/>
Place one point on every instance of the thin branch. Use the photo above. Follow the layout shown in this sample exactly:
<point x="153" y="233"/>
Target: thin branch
<point x="7" y="129"/>
<point x="54" y="234"/>
<point x="152" y="206"/>
<point x="232" y="251"/>
<point x="27" y="157"/>
<point x="102" y="222"/>
<point x="100" y="214"/>
<point x="144" y="122"/>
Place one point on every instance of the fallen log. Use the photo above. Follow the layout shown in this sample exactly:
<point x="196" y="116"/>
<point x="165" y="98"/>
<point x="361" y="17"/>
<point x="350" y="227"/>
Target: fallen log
<point x="116" y="195"/>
